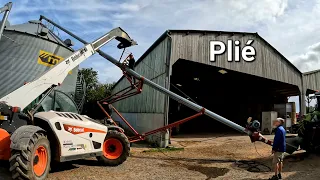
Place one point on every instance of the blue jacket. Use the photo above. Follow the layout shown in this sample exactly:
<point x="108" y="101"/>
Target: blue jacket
<point x="279" y="141"/>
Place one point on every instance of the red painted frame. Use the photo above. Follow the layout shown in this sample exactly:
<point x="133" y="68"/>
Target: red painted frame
<point x="133" y="90"/>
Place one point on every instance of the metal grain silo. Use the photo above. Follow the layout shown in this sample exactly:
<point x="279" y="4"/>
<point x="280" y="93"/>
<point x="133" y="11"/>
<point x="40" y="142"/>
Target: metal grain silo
<point x="28" y="50"/>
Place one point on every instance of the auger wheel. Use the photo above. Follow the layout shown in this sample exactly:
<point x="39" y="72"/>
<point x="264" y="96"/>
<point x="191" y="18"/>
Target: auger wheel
<point x="34" y="162"/>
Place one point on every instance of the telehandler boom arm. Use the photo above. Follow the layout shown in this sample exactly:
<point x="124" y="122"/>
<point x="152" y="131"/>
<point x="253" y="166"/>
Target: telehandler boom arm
<point x="6" y="9"/>
<point x="24" y="95"/>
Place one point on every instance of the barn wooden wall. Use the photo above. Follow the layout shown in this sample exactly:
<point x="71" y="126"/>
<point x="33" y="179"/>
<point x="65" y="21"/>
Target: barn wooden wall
<point x="311" y="80"/>
<point x="268" y="64"/>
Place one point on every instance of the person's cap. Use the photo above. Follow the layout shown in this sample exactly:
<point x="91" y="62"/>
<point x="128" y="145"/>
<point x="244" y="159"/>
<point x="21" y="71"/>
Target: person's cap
<point x="280" y="120"/>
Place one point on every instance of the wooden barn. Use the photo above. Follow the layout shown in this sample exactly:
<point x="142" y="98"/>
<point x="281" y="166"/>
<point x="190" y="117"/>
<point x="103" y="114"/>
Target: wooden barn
<point x="179" y="60"/>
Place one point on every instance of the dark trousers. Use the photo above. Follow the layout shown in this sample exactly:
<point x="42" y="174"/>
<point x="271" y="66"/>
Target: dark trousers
<point x="133" y="80"/>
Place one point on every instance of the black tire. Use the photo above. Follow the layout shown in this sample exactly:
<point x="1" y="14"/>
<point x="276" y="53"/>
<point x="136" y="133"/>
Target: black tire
<point x="120" y="138"/>
<point x="22" y="162"/>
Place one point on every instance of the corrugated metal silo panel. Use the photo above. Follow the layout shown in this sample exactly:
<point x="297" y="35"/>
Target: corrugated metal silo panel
<point x="19" y="61"/>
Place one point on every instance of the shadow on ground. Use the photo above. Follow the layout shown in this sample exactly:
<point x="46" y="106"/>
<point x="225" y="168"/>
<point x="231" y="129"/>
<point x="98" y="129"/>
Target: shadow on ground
<point x="301" y="166"/>
<point x="251" y="166"/>
<point x="292" y="163"/>
<point x="88" y="162"/>
<point x="4" y="170"/>
<point x="207" y="135"/>
<point x="64" y="166"/>
<point x="55" y="167"/>
<point x="210" y="172"/>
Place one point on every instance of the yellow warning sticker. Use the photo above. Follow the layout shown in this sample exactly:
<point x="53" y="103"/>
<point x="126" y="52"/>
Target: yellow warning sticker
<point x="48" y="59"/>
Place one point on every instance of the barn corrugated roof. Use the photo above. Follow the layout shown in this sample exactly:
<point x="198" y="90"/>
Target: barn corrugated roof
<point x="167" y="32"/>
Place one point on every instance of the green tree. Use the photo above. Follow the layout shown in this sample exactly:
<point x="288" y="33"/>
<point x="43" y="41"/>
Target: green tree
<point x="310" y="109"/>
<point x="95" y="90"/>
<point x="90" y="76"/>
<point x="99" y="91"/>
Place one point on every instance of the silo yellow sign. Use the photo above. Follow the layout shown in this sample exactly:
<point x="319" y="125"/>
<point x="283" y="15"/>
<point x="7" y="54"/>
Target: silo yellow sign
<point x="48" y="59"/>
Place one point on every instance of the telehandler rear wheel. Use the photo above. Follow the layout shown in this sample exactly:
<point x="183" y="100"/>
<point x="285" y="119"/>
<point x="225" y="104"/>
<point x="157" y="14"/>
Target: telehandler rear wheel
<point x="34" y="162"/>
<point x="116" y="149"/>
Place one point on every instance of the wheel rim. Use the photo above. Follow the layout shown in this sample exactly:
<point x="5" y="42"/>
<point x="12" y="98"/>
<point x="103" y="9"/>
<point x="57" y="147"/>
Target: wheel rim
<point x="112" y="148"/>
<point x="40" y="160"/>
<point x="4" y="145"/>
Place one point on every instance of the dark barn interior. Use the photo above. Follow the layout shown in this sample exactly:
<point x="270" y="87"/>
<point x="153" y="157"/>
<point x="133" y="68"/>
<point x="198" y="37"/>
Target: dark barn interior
<point x="233" y="95"/>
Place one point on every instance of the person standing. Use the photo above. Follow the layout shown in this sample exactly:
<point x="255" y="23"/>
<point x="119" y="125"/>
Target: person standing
<point x="131" y="65"/>
<point x="278" y="148"/>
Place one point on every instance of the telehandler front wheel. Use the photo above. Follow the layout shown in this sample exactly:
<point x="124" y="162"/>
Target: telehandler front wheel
<point x="116" y="149"/>
<point x="34" y="162"/>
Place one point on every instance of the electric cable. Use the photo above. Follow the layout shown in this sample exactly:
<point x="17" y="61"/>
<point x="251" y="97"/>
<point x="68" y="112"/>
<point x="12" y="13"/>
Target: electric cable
<point x="252" y="166"/>
<point x="254" y="143"/>
<point x="124" y="49"/>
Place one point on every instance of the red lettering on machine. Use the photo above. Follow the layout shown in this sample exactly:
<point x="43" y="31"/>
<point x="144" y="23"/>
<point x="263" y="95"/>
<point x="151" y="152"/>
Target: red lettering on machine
<point x="78" y="130"/>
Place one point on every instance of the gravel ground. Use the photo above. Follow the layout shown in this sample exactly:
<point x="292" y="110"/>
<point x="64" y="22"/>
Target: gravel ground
<point x="204" y="157"/>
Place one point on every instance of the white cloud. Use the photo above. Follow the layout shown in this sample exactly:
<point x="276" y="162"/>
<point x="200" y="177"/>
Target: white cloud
<point x="70" y="6"/>
<point x="206" y="14"/>
<point x="290" y="26"/>
<point x="129" y="7"/>
<point x="86" y="19"/>
<point x="310" y="60"/>
<point x="110" y="74"/>
<point x="107" y="73"/>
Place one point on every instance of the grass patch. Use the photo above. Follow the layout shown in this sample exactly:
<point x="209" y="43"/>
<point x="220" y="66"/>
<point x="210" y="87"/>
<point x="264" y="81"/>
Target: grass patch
<point x="167" y="149"/>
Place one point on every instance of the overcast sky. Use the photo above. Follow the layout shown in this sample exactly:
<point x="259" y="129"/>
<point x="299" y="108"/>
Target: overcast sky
<point x="291" y="26"/>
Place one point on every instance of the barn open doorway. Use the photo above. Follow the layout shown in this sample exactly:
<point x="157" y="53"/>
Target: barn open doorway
<point x="233" y="95"/>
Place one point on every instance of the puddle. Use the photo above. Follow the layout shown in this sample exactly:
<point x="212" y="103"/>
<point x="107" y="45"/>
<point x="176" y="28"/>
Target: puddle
<point x="210" y="172"/>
